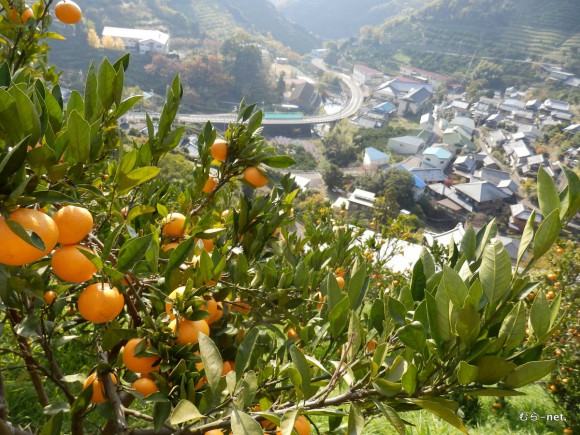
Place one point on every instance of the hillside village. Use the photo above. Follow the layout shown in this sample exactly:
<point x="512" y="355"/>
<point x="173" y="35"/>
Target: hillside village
<point x="470" y="161"/>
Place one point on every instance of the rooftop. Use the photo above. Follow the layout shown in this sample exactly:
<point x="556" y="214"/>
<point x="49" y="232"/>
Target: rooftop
<point x="481" y="191"/>
<point x="375" y="154"/>
<point x="440" y="153"/>
<point x="139" y="34"/>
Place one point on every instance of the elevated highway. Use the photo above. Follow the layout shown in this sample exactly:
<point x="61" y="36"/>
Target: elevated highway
<point x="353" y="104"/>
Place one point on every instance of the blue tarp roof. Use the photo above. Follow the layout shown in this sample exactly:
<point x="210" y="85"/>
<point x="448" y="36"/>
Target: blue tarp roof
<point x="440" y="153"/>
<point x="385" y="107"/>
<point x="375" y="154"/>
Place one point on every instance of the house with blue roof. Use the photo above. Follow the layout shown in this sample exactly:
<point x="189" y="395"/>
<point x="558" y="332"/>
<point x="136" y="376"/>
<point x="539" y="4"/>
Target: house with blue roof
<point x="419" y="184"/>
<point x="436" y="157"/>
<point x="384" y="109"/>
<point x="374" y="159"/>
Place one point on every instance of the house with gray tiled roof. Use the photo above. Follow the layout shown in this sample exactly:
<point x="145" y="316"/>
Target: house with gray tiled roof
<point x="482" y="194"/>
<point x="405" y="144"/>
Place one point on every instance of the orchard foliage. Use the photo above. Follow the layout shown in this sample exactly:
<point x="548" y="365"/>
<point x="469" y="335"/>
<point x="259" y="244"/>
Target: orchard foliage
<point x="268" y="327"/>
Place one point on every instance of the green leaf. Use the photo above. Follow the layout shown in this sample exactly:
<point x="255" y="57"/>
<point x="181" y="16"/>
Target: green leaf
<point x="386" y="388"/>
<point x="455" y="288"/>
<point x="245" y="351"/>
<point x="29" y="118"/>
<point x="357" y="287"/>
<point x="139" y="210"/>
<point x="468" y="323"/>
<point x="540" y="316"/>
<point x="113" y="336"/>
<point x="527" y="236"/>
<point x="418" y="281"/>
<point x="54" y="425"/>
<point x="495" y="273"/>
<point x="28" y="236"/>
<point x="547" y="234"/>
<point x="51" y="197"/>
<point x="132" y="252"/>
<point x="409" y="379"/>
<point x="82" y="401"/>
<point x="483" y="236"/>
<point x="212" y="361"/>
<point x="184" y="411"/>
<point x="338" y="317"/>
<point x="279" y="161"/>
<point x="513" y="327"/>
<point x="356" y="421"/>
<point x="161" y="411"/>
<point x="392" y="416"/>
<point x="573" y="192"/>
<point x="413" y="335"/>
<point x="287" y="422"/>
<point x="397" y="310"/>
<point x="243" y="424"/>
<point x="93" y="258"/>
<point x="492" y="369"/>
<point x="441" y="410"/>
<point x="468" y="243"/>
<point x="466" y="374"/>
<point x="528" y="373"/>
<point x="79" y="137"/>
<point x="13" y="161"/>
<point x="105" y="83"/>
<point x="137" y="177"/>
<point x="547" y="193"/>
<point x="302" y="366"/>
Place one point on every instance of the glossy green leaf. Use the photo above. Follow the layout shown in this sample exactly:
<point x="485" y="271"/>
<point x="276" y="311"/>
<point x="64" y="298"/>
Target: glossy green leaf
<point x="441" y="410"/>
<point x="79" y="145"/>
<point x="243" y="424"/>
<point x="528" y="373"/>
<point x="356" y="420"/>
<point x="137" y="177"/>
<point x="495" y="272"/>
<point x="466" y="374"/>
<point x="492" y="369"/>
<point x="184" y="411"/>
<point x="28" y="236"/>
<point x="54" y="425"/>
<point x="386" y="388"/>
<point x="540" y="316"/>
<point x="547" y="193"/>
<point x="513" y="327"/>
<point x="245" y="351"/>
<point x="212" y="361"/>
<point x="139" y="211"/>
<point x="527" y="236"/>
<point x="455" y="288"/>
<point x="13" y="160"/>
<point x="409" y="379"/>
<point x="287" y="422"/>
<point x="418" y="281"/>
<point x="105" y="83"/>
<point x="468" y="243"/>
<point x="413" y="335"/>
<point x="279" y="161"/>
<point x="547" y="234"/>
<point x="132" y="252"/>
<point x="338" y="317"/>
<point x="392" y="416"/>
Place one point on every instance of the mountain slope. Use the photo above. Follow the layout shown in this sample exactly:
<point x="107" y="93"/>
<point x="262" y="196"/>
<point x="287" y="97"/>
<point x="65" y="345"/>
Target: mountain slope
<point x="337" y="19"/>
<point x="498" y="28"/>
<point x="198" y="19"/>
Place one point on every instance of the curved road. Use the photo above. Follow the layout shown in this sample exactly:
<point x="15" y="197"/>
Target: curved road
<point x="354" y="103"/>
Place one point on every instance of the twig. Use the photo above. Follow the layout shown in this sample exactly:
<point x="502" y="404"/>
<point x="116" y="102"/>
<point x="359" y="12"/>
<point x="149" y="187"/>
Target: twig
<point x="111" y="392"/>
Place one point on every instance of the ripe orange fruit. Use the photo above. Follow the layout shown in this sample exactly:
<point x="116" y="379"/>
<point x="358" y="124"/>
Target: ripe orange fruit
<point x="214" y="432"/>
<point x="559" y="251"/>
<point x="552" y="276"/>
<point x="215" y="310"/>
<point x="49" y="297"/>
<point x="69" y="264"/>
<point x="292" y="334"/>
<point x="209" y="185"/>
<point x="219" y="150"/>
<point x="266" y="424"/>
<point x="100" y="303"/>
<point x="342" y="212"/>
<point x="531" y="295"/>
<point x="188" y="330"/>
<point x="174" y="225"/>
<point x="550" y="295"/>
<point x="228" y="366"/>
<point x="68" y="12"/>
<point x="145" y="386"/>
<point x="138" y="364"/>
<point x="339" y="272"/>
<point x="255" y="177"/>
<point x="302" y="426"/>
<point x="26" y="15"/>
<point x="372" y="345"/>
<point x="241" y="307"/>
<point x="557" y="284"/>
<point x="340" y="281"/>
<point x="207" y="244"/>
<point x="318" y="296"/>
<point x="169" y="246"/>
<point x="568" y="431"/>
<point x="15" y="251"/>
<point x="98" y="387"/>
<point x="175" y="294"/>
<point x="74" y="224"/>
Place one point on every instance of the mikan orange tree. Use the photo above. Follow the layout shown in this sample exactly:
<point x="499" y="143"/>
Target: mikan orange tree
<point x="272" y="340"/>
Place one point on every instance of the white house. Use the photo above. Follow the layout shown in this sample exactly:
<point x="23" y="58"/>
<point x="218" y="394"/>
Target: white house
<point x="405" y="144"/>
<point x="365" y="75"/>
<point x="436" y="157"/>
<point x="427" y="122"/>
<point x="374" y="159"/>
<point x="139" y="40"/>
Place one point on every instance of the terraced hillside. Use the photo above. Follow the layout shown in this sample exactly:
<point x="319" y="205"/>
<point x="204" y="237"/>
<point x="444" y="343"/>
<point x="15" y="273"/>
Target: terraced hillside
<point x="501" y="28"/>
<point x="197" y="19"/>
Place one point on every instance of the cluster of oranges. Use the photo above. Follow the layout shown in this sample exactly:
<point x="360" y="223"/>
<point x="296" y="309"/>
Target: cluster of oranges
<point x="66" y="11"/>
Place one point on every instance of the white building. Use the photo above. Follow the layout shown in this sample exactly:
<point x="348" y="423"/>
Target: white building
<point x="365" y="75"/>
<point x="436" y="157"/>
<point x="140" y="40"/>
<point x="405" y="144"/>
